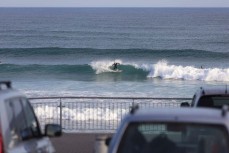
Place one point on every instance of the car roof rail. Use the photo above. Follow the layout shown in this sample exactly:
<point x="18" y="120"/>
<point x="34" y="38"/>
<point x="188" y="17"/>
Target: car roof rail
<point x="225" y="109"/>
<point x="7" y="85"/>
<point x="134" y="108"/>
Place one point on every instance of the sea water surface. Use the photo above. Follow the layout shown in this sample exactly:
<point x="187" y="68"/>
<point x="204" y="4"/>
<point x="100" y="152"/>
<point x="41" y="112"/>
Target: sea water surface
<point x="163" y="52"/>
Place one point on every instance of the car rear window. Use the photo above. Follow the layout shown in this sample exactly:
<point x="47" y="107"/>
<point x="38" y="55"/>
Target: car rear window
<point x="174" y="138"/>
<point x="213" y="101"/>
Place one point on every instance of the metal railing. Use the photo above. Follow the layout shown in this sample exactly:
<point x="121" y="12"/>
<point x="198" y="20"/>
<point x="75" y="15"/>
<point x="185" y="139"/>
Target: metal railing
<point x="93" y="114"/>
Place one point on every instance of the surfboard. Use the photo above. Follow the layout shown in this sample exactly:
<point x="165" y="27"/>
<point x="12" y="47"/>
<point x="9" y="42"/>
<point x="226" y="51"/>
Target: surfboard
<point x="117" y="70"/>
<point x="112" y="70"/>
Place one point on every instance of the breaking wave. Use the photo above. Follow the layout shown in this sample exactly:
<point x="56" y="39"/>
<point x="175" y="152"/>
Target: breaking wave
<point x="165" y="71"/>
<point x="128" y="71"/>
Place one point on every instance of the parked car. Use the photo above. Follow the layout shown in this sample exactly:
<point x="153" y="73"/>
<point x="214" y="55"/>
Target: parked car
<point x="20" y="131"/>
<point x="176" y="130"/>
<point x="214" y="97"/>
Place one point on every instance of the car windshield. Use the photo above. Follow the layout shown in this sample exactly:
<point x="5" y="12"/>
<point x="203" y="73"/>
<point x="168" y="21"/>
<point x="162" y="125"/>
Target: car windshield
<point x="174" y="138"/>
<point x="213" y="101"/>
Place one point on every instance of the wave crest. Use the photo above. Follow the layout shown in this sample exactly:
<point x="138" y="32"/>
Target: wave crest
<point x="103" y="66"/>
<point x="162" y="69"/>
<point x="165" y="71"/>
<point x="130" y="71"/>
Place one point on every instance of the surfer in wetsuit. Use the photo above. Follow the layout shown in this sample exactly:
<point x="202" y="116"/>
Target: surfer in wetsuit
<point x="115" y="66"/>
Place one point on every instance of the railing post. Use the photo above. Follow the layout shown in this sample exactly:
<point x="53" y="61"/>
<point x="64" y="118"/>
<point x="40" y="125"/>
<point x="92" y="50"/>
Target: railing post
<point x="61" y="113"/>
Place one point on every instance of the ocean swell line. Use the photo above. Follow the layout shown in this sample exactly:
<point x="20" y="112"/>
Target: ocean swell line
<point x="52" y="51"/>
<point x="126" y="71"/>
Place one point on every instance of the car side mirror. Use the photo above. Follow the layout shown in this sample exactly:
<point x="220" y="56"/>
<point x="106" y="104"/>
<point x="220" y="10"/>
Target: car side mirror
<point x="184" y="104"/>
<point x="26" y="133"/>
<point x="53" y="130"/>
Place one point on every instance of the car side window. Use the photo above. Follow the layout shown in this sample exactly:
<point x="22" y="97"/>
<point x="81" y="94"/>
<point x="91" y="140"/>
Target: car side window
<point x="31" y="120"/>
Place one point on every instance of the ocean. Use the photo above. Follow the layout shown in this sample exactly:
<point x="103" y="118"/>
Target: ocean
<point x="163" y="52"/>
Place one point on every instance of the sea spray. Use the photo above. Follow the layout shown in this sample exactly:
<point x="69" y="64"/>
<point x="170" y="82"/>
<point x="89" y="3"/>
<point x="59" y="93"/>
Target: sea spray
<point x="165" y="71"/>
<point x="104" y="65"/>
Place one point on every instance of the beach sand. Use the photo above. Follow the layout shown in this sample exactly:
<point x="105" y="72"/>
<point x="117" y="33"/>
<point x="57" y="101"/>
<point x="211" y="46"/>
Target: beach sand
<point x="76" y="142"/>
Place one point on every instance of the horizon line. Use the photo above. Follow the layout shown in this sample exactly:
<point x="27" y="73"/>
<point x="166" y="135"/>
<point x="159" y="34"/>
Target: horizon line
<point x="111" y="7"/>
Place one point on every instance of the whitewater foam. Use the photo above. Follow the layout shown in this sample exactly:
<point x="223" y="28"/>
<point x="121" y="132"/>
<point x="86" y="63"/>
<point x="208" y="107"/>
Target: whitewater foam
<point x="104" y="65"/>
<point x="165" y="71"/>
<point x="162" y="69"/>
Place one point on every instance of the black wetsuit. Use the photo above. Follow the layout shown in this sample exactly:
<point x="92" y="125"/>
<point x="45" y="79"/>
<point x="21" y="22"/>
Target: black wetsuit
<point x="115" y="66"/>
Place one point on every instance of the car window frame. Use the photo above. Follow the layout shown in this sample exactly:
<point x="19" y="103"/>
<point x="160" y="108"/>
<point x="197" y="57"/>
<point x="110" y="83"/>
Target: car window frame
<point x="18" y="98"/>
<point x="39" y="134"/>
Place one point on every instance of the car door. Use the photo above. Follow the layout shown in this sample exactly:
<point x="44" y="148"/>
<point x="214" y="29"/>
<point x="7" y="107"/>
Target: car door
<point x="24" y="132"/>
<point x="41" y="143"/>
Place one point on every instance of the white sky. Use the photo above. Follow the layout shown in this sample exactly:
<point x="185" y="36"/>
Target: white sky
<point x="114" y="3"/>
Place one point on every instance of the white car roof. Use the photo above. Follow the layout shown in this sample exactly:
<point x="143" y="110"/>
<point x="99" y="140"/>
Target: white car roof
<point x="9" y="93"/>
<point x="219" y="90"/>
<point x="194" y="115"/>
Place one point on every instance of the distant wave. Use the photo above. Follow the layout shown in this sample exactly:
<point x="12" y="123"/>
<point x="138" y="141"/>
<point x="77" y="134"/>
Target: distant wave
<point x="52" y="51"/>
<point x="45" y="69"/>
<point x="130" y="71"/>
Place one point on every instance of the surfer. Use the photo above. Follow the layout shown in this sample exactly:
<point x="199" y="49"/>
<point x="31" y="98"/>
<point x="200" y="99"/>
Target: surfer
<point x="115" y="66"/>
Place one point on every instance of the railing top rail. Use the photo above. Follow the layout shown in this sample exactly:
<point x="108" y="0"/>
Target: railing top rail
<point x="94" y="97"/>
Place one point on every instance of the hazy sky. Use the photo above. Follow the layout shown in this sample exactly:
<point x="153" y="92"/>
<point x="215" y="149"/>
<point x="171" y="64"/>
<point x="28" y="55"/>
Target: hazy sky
<point x="114" y="3"/>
